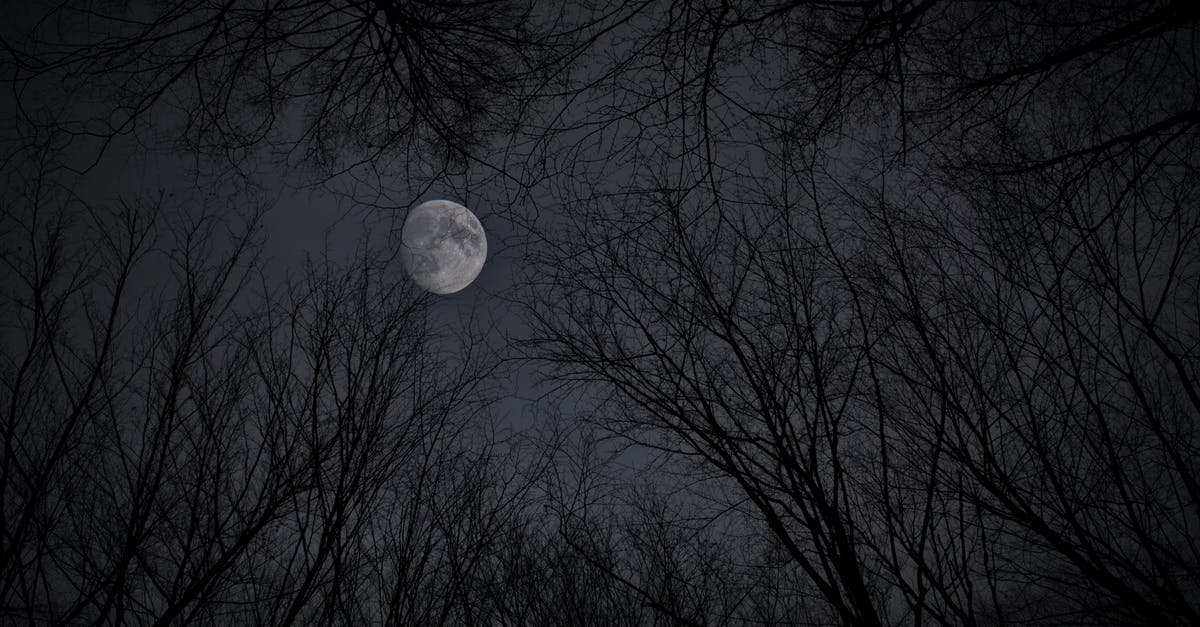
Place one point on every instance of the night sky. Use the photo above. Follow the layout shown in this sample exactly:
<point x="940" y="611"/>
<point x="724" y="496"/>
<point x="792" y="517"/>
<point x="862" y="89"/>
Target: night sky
<point x="794" y="313"/>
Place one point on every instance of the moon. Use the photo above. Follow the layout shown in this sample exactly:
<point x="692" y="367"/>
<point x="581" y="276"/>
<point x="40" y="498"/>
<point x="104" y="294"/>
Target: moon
<point x="442" y="246"/>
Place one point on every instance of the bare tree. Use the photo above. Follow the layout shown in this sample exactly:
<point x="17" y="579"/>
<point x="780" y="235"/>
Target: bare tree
<point x="333" y="84"/>
<point x="938" y="420"/>
<point x="907" y="288"/>
<point x="942" y="354"/>
<point x="182" y="447"/>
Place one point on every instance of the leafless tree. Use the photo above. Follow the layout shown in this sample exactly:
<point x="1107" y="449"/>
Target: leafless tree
<point x="187" y="443"/>
<point x="908" y="289"/>
<point x="330" y="84"/>
<point x="925" y="307"/>
<point x="942" y="412"/>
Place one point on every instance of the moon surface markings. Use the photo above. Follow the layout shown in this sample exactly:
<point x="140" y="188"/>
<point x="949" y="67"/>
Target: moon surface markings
<point x="443" y="246"/>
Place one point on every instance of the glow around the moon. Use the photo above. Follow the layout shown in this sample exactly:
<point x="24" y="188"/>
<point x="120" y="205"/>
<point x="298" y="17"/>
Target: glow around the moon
<point x="442" y="246"/>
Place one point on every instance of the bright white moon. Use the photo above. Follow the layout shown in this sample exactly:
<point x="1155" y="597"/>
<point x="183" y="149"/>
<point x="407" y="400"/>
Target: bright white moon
<point x="442" y="246"/>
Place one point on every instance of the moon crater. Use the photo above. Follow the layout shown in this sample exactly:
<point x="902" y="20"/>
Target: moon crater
<point x="442" y="246"/>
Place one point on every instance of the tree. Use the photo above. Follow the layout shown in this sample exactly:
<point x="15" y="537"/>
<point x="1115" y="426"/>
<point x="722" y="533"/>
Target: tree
<point x="333" y="84"/>
<point x="182" y="447"/>
<point x="905" y="290"/>
<point x="941" y="351"/>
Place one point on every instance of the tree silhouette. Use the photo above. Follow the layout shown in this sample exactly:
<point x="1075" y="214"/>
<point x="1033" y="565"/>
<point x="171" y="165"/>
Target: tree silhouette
<point x="205" y="451"/>
<point x="914" y="284"/>
<point x="330" y="84"/>
<point x="863" y="313"/>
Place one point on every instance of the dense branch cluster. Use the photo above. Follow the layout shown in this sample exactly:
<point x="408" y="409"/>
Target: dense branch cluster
<point x="330" y="83"/>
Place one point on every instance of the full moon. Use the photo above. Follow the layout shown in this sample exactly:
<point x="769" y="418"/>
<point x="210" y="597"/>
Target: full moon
<point x="442" y="246"/>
